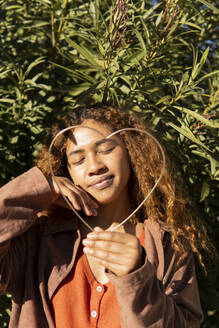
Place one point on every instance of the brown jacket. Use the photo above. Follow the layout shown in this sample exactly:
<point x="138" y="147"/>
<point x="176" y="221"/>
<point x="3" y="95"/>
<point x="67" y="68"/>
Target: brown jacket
<point x="35" y="258"/>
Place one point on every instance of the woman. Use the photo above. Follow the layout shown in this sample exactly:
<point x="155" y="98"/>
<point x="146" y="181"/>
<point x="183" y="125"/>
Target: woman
<point x="62" y="275"/>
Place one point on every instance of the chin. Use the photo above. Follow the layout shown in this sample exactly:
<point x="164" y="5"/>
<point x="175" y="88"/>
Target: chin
<point x="105" y="201"/>
<point x="105" y="198"/>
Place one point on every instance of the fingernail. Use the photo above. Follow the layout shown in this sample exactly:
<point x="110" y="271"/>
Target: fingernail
<point x="89" y="212"/>
<point x="94" y="212"/>
<point x="88" y="250"/>
<point x="87" y="242"/>
<point x="98" y="229"/>
<point x="91" y="235"/>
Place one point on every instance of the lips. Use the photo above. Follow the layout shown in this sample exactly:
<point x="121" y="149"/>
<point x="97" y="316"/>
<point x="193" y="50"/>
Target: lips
<point x="102" y="182"/>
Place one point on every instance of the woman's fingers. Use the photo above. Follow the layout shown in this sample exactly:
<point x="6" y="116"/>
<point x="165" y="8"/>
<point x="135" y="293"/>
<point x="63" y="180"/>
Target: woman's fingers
<point x="108" y="256"/>
<point x="117" y="263"/>
<point x="113" y="236"/>
<point x="118" y="252"/>
<point x="78" y="197"/>
<point x="118" y="268"/>
<point x="80" y="200"/>
<point x="88" y="205"/>
<point x="73" y="198"/>
<point x="112" y="247"/>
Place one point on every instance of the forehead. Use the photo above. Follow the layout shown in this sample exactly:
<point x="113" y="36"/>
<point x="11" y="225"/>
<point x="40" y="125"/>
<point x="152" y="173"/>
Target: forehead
<point x="88" y="133"/>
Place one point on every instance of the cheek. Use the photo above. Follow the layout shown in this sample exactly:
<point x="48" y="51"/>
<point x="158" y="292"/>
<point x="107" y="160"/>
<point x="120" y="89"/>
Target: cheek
<point x="126" y="168"/>
<point x="75" y="174"/>
<point x="123" y="164"/>
<point x="71" y="172"/>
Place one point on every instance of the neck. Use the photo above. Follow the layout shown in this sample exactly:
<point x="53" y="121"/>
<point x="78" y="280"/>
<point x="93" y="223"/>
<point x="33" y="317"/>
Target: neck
<point x="110" y="215"/>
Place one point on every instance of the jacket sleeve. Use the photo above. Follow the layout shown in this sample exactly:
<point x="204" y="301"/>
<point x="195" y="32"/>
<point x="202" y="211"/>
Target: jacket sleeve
<point x="163" y="293"/>
<point x="20" y="201"/>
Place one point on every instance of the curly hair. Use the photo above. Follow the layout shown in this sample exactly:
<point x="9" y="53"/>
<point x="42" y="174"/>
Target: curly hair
<point x="168" y="204"/>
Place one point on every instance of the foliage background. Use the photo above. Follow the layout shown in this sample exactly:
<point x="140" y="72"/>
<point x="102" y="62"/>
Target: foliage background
<point x="158" y="57"/>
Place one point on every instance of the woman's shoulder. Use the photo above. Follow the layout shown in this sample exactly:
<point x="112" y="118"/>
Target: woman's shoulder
<point x="156" y="226"/>
<point x="161" y="231"/>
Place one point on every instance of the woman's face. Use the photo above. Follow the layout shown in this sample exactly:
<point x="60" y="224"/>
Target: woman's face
<point x="100" y="166"/>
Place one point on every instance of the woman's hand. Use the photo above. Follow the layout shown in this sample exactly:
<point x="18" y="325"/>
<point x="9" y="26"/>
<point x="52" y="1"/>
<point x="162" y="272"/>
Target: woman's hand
<point x="79" y="199"/>
<point x="119" y="252"/>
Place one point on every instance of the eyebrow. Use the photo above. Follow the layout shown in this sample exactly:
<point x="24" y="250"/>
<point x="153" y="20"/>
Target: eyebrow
<point x="98" y="143"/>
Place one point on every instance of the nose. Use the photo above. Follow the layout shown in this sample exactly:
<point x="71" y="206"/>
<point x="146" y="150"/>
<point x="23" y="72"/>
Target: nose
<point x="95" y="165"/>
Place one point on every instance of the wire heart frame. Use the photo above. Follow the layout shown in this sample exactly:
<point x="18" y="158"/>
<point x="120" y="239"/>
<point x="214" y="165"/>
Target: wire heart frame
<point x="109" y="136"/>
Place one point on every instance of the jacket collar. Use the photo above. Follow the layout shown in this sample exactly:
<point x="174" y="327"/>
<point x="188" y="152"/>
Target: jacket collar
<point x="60" y="220"/>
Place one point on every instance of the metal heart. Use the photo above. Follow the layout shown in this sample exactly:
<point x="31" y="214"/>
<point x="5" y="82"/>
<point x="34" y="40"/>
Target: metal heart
<point x="107" y="137"/>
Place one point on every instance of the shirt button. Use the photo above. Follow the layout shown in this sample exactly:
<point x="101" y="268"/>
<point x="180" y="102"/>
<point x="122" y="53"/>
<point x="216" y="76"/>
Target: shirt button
<point x="99" y="289"/>
<point x="94" y="314"/>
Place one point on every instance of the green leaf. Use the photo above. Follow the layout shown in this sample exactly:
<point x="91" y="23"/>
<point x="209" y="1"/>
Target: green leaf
<point x="204" y="191"/>
<point x="40" y="24"/>
<point x="150" y="11"/>
<point x="186" y="132"/>
<point x="146" y="32"/>
<point x="13" y="7"/>
<point x="133" y="60"/>
<point x="201" y="154"/>
<point x="199" y="117"/>
<point x="209" y="5"/>
<point x="213" y="165"/>
<point x="94" y="10"/>
<point x="87" y="54"/>
<point x="77" y="73"/>
<point x="78" y="89"/>
<point x="45" y="2"/>
<point x="4" y="73"/>
<point x="158" y="20"/>
<point x="6" y="100"/>
<point x="89" y="92"/>
<point x="141" y="41"/>
<point x="14" y="140"/>
<point x="82" y="35"/>
<point x="206" y="76"/>
<point x="193" y="25"/>
<point x="204" y="56"/>
<point x="33" y="64"/>
<point x="163" y="100"/>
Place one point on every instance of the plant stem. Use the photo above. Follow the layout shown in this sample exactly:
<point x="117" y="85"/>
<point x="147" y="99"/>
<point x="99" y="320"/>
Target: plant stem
<point x="53" y="25"/>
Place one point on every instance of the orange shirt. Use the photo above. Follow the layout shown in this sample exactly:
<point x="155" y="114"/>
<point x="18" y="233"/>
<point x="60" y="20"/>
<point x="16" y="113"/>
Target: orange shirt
<point x="80" y="301"/>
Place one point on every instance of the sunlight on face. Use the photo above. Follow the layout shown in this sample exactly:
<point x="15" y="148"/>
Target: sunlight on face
<point x="100" y="166"/>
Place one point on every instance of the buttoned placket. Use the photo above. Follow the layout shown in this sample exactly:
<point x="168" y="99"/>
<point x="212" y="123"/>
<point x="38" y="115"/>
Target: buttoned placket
<point x="97" y="293"/>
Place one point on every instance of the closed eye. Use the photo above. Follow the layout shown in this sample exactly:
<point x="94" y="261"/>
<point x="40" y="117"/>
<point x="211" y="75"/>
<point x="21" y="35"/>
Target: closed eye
<point x="107" y="151"/>
<point x="78" y="162"/>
